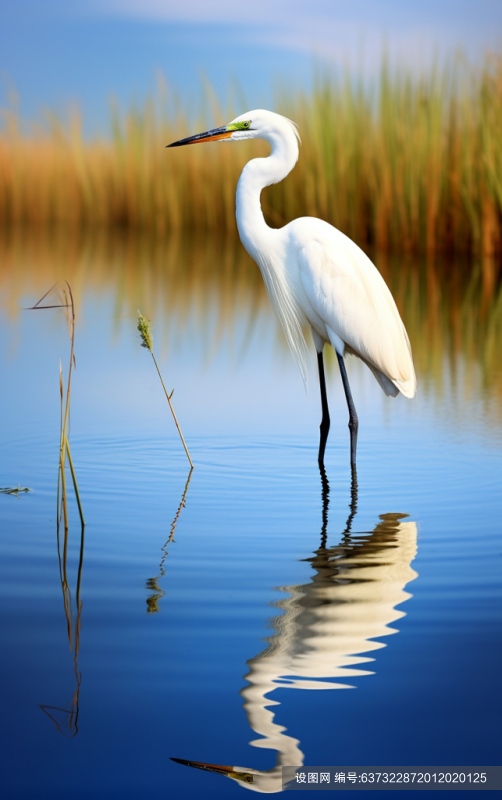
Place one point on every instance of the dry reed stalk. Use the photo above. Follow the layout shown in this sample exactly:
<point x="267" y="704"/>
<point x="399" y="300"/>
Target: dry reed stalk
<point x="147" y="342"/>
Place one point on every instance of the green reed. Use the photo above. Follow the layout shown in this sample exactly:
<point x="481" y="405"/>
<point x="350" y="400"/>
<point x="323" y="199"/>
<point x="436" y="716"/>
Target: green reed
<point x="411" y="163"/>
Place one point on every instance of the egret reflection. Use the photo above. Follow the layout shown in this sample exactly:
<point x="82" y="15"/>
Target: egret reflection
<point x="327" y="632"/>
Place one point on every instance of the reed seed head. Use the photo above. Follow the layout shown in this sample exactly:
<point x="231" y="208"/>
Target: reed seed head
<point x="144" y="331"/>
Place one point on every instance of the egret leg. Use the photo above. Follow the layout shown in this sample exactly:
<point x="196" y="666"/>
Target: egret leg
<point x="325" y="422"/>
<point x="353" y="420"/>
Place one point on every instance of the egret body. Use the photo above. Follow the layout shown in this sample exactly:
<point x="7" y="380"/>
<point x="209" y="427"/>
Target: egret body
<point x="316" y="275"/>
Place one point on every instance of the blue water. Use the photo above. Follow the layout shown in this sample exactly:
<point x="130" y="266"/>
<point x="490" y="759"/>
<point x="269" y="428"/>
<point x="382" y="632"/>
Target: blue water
<point x="255" y="582"/>
<point x="167" y="683"/>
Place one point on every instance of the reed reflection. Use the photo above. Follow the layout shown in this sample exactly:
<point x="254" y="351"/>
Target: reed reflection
<point x="208" y="294"/>
<point x="326" y="630"/>
<point x="66" y="718"/>
<point x="152" y="602"/>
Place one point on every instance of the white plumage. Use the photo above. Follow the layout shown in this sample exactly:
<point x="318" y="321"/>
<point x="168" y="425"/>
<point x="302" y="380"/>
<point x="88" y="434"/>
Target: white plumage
<point x="357" y="311"/>
<point x="316" y="275"/>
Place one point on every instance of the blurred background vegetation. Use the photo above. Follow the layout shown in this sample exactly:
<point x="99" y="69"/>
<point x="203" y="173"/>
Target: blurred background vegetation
<point x="408" y="164"/>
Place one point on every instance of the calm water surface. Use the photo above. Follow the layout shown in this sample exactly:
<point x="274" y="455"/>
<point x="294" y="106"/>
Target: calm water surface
<point x="255" y="616"/>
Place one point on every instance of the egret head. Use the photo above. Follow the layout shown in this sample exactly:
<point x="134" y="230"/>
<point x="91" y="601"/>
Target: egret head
<point x="258" y="124"/>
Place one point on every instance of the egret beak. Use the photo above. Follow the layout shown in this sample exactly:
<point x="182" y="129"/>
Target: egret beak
<point x="229" y="772"/>
<point x="213" y="135"/>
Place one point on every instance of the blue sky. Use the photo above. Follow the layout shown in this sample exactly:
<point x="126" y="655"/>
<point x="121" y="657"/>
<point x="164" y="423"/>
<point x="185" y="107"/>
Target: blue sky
<point x="55" y="52"/>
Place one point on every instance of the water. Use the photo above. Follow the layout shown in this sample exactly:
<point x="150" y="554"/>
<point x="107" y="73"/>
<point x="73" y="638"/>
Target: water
<point x="254" y="616"/>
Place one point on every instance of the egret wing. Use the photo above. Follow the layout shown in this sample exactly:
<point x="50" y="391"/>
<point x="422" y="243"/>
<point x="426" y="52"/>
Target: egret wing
<point x="350" y="296"/>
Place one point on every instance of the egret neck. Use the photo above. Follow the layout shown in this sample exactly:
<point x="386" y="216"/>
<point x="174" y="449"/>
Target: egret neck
<point x="257" y="174"/>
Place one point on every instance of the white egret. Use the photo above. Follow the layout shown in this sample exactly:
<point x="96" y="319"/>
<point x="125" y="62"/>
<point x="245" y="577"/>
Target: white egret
<point x="316" y="275"/>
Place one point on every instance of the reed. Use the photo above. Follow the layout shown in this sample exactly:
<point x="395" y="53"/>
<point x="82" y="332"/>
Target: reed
<point x="60" y="295"/>
<point x="412" y="163"/>
<point x="147" y="342"/>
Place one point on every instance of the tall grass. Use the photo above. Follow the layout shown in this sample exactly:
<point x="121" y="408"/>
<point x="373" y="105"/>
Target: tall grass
<point x="412" y="163"/>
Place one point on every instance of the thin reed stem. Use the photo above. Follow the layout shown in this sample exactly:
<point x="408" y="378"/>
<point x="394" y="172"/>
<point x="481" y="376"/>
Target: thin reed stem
<point x="63" y="493"/>
<point x="168" y="396"/>
<point x="147" y="342"/>
<point x="75" y="483"/>
<point x="64" y="447"/>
